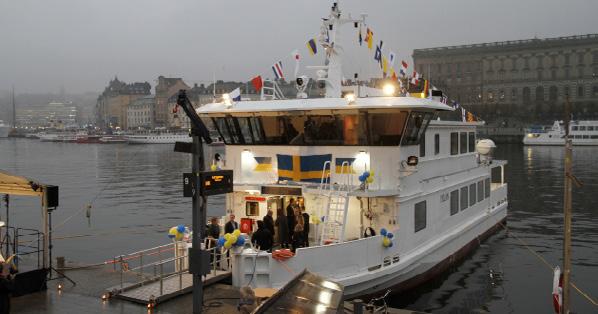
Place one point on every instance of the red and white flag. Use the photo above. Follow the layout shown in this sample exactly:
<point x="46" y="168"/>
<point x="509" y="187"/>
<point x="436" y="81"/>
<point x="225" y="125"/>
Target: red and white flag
<point x="277" y="69"/>
<point x="557" y="290"/>
<point x="415" y="78"/>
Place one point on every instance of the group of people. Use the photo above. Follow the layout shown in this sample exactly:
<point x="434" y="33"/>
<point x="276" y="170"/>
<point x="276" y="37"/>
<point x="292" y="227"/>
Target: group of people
<point x="293" y="228"/>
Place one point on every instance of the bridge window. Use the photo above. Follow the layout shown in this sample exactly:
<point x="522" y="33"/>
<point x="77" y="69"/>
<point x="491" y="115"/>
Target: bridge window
<point x="487" y="188"/>
<point x="420" y="216"/>
<point x="386" y="129"/>
<point x="464" y="197"/>
<point x="454" y="143"/>
<point x="471" y="143"/>
<point x="480" y="191"/>
<point x="436" y="144"/>
<point x="422" y="146"/>
<point x="472" y="194"/>
<point x="463" y="142"/>
<point x="454" y="202"/>
<point x="416" y="126"/>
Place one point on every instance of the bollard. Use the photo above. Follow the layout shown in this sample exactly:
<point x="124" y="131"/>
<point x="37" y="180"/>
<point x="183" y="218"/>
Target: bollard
<point x="358" y="306"/>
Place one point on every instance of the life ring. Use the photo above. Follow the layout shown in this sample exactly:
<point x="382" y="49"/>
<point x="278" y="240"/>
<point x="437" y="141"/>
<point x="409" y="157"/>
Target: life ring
<point x="282" y="255"/>
<point x="369" y="232"/>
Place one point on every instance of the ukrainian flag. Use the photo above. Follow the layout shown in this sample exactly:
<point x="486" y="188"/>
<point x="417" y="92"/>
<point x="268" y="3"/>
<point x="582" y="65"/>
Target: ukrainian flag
<point x="264" y="164"/>
<point x="312" y="47"/>
<point x="338" y="163"/>
<point x="302" y="168"/>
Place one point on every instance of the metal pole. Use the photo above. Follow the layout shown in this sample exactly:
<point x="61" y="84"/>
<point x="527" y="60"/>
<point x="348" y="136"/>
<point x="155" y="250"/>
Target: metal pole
<point x="567" y="211"/>
<point x="199" y="219"/>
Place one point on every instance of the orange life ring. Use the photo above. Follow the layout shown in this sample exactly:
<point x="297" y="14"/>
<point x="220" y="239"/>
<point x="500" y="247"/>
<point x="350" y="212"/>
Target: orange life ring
<point x="283" y="254"/>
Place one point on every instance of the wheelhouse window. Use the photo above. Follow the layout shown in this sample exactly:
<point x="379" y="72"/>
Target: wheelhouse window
<point x="464" y="198"/>
<point x="454" y="202"/>
<point x="480" y="191"/>
<point x="487" y="188"/>
<point x="386" y="129"/>
<point x="436" y="144"/>
<point x="416" y="126"/>
<point x="420" y="216"/>
<point x="471" y="142"/>
<point x="454" y="143"/>
<point x="422" y="146"/>
<point x="463" y="142"/>
<point x="472" y="194"/>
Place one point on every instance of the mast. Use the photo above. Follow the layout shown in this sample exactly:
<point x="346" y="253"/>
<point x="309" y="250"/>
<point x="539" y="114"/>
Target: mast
<point x="14" y="111"/>
<point x="567" y="210"/>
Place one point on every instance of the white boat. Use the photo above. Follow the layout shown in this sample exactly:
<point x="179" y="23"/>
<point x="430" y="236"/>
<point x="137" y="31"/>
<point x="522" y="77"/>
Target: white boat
<point x="4" y="129"/>
<point x="431" y="188"/>
<point x="581" y="133"/>
<point x="158" y="138"/>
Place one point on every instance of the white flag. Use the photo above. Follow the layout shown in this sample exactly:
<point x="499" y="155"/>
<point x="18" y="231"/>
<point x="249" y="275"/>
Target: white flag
<point x="296" y="57"/>
<point x="391" y="59"/>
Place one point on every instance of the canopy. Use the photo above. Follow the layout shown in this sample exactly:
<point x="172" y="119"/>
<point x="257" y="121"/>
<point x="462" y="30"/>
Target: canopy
<point x="17" y="185"/>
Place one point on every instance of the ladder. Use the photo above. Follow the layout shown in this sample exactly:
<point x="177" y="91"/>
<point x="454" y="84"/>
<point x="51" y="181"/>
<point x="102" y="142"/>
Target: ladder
<point x="336" y="207"/>
<point x="271" y="91"/>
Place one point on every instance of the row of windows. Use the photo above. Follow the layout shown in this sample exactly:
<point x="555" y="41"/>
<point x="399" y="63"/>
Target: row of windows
<point x="460" y="199"/>
<point x="462" y="142"/>
<point x="583" y="136"/>
<point x="584" y="128"/>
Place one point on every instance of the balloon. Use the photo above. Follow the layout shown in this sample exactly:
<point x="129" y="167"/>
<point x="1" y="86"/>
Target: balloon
<point x="227" y="245"/>
<point x="213" y="167"/>
<point x="383" y="232"/>
<point x="370" y="179"/>
<point x="180" y="228"/>
<point x="237" y="232"/>
<point x="366" y="174"/>
<point x="221" y="242"/>
<point x="233" y="239"/>
<point x="386" y="242"/>
<point x="361" y="178"/>
<point x="179" y="236"/>
<point x="227" y="236"/>
<point x="240" y="241"/>
<point x="172" y="232"/>
<point x="389" y="235"/>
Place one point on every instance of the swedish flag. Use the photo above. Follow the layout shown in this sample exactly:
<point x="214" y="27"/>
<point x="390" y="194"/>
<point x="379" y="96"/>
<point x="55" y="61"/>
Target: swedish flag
<point x="263" y="164"/>
<point x="338" y="163"/>
<point x="302" y="168"/>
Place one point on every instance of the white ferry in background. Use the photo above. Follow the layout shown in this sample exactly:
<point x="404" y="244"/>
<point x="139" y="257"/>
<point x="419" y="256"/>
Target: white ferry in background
<point x="581" y="133"/>
<point x="432" y="182"/>
<point x="4" y="129"/>
<point x="158" y="137"/>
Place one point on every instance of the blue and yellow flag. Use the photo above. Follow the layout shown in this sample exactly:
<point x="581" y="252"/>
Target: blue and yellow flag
<point x="263" y="164"/>
<point x="312" y="47"/>
<point x="302" y="168"/>
<point x="338" y="165"/>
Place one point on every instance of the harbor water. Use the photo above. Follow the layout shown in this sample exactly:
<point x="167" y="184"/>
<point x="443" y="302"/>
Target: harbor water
<point x="135" y="193"/>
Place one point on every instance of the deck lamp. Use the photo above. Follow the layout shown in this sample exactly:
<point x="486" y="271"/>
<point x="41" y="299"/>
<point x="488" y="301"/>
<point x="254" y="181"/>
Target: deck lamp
<point x="227" y="101"/>
<point x="350" y="98"/>
<point x="388" y="89"/>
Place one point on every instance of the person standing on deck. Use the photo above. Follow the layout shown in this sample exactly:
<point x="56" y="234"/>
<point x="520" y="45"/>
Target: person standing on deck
<point x="283" y="229"/>
<point x="231" y="225"/>
<point x="305" y="217"/>
<point x="212" y="233"/>
<point x="262" y="238"/>
<point x="269" y="222"/>
<point x="291" y="218"/>
<point x="298" y="231"/>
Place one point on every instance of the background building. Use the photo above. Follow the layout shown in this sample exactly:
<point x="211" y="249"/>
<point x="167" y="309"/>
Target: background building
<point x="112" y="104"/>
<point x="141" y="112"/>
<point x="53" y="114"/>
<point x="166" y="88"/>
<point x="520" y="81"/>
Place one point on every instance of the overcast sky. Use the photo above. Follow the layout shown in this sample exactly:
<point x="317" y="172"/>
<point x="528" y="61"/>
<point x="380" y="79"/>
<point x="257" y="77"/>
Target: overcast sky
<point x="81" y="44"/>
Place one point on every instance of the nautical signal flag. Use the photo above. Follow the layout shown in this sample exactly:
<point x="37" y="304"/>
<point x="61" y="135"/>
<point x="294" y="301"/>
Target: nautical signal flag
<point x="302" y="168"/>
<point x="338" y="165"/>
<point x="235" y="95"/>
<point x="277" y="69"/>
<point x="312" y="47"/>
<point x="403" y="69"/>
<point x="257" y="83"/>
<point x="378" y="54"/>
<point x="264" y="164"/>
<point x="391" y="58"/>
<point x="384" y="66"/>
<point x="369" y="37"/>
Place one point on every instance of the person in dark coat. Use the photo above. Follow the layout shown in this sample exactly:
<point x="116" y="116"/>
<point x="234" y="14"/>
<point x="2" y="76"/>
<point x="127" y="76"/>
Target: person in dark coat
<point x="305" y="227"/>
<point x="231" y="225"/>
<point x="262" y="237"/>
<point x="213" y="233"/>
<point x="291" y="217"/>
<point x="269" y="222"/>
<point x="283" y="229"/>
<point x="297" y="237"/>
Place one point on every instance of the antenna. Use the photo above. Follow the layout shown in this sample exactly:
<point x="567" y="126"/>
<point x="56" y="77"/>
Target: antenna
<point x="14" y="111"/>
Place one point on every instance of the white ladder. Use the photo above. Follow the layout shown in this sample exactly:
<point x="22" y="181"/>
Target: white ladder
<point x="271" y="91"/>
<point x="336" y="208"/>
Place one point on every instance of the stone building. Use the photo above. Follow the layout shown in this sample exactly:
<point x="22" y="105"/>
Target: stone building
<point x="519" y="81"/>
<point x="165" y="89"/>
<point x="112" y="104"/>
<point x="141" y="113"/>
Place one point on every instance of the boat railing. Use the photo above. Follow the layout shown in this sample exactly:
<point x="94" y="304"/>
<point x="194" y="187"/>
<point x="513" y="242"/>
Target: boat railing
<point x="25" y="244"/>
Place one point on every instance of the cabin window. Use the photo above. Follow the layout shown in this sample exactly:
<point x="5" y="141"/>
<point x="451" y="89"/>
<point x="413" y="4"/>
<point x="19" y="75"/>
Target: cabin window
<point x="420" y="216"/>
<point x="245" y="130"/>
<point x="574" y="128"/>
<point x="322" y="130"/>
<point x="472" y="194"/>
<point x="480" y="191"/>
<point x="594" y="136"/>
<point x="463" y="142"/>
<point x="223" y="129"/>
<point x="422" y="146"/>
<point x="464" y="198"/>
<point x="471" y="142"/>
<point x="252" y="208"/>
<point x="582" y="128"/>
<point x="590" y="128"/>
<point x="487" y="188"/>
<point x="256" y="130"/>
<point x="386" y="129"/>
<point x="436" y="144"/>
<point x="416" y="126"/>
<point x="454" y="202"/>
<point x="454" y="143"/>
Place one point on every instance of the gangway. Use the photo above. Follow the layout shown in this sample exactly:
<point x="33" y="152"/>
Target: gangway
<point x="336" y="205"/>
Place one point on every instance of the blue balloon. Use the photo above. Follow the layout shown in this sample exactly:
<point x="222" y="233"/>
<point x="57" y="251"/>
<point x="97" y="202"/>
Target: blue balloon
<point x="389" y="235"/>
<point x="361" y="178"/>
<point x="180" y="228"/>
<point x="221" y="242"/>
<point x="366" y="174"/>
<point x="383" y="232"/>
<point x="240" y="241"/>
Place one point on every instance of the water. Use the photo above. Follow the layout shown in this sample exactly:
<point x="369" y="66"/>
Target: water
<point x="136" y="195"/>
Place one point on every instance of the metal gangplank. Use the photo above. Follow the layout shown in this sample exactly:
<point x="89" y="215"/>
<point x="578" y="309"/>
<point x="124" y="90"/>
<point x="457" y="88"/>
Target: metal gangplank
<point x="161" y="273"/>
<point x="336" y="205"/>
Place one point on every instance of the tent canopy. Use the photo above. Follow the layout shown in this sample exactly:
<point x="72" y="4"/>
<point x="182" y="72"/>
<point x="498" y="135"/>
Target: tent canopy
<point x="17" y="185"/>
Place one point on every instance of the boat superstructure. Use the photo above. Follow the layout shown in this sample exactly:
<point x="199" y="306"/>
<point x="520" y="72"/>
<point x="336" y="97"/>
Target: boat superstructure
<point x="157" y="137"/>
<point x="430" y="186"/>
<point x="580" y="132"/>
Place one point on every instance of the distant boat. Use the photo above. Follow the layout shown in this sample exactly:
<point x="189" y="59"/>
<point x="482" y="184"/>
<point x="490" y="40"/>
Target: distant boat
<point x="4" y="129"/>
<point x="113" y="139"/>
<point x="158" y="138"/>
<point x="581" y="133"/>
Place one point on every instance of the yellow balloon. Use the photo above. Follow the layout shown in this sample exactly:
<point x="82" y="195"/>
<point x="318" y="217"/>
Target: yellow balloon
<point x="370" y="179"/>
<point x="213" y="167"/>
<point x="233" y="239"/>
<point x="179" y="236"/>
<point x="227" y="236"/>
<point x="227" y="245"/>
<point x="386" y="242"/>
<point x="237" y="232"/>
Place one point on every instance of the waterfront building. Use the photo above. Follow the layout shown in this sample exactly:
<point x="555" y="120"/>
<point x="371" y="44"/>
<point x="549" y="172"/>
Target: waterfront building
<point x="165" y="89"/>
<point x="112" y="104"/>
<point x="141" y="112"/>
<point x="519" y="81"/>
<point x="53" y="114"/>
